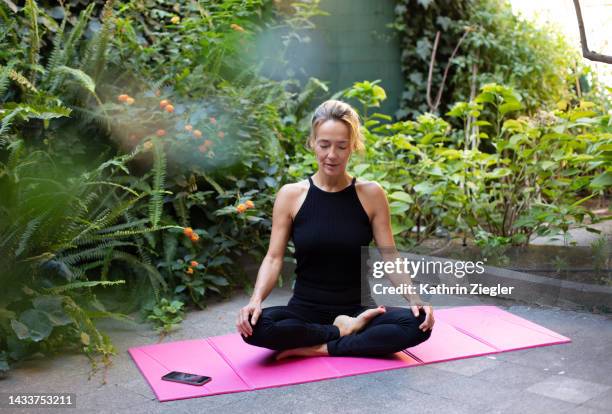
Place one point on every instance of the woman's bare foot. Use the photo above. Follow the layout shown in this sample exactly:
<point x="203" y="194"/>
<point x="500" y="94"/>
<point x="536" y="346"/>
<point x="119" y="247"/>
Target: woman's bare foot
<point x="349" y="325"/>
<point x="317" y="350"/>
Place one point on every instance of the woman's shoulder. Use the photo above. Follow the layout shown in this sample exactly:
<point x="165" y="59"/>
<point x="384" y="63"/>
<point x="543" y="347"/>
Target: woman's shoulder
<point x="294" y="189"/>
<point x="371" y="188"/>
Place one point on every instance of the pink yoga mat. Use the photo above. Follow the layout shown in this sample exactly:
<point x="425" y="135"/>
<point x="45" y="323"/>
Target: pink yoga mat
<point x="235" y="366"/>
<point x="498" y="328"/>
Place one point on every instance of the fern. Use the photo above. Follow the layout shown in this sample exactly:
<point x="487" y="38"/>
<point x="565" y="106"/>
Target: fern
<point x="106" y="218"/>
<point x="156" y="279"/>
<point x="6" y="124"/>
<point x="159" y="174"/>
<point x="22" y="81"/>
<point x="81" y="77"/>
<point x="100" y="251"/>
<point x="135" y="223"/>
<point x="71" y="44"/>
<point x="55" y="58"/>
<point x="103" y="222"/>
<point x="27" y="234"/>
<point x="77" y="33"/>
<point x="4" y="76"/>
<point x="106" y="264"/>
<point x="31" y="11"/>
<point x="96" y="58"/>
<point x="120" y="234"/>
<point x="80" y="285"/>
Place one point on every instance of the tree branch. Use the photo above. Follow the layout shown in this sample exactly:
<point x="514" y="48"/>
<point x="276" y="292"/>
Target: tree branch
<point x="594" y="56"/>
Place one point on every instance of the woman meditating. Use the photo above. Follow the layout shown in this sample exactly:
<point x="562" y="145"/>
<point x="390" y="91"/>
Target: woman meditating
<point x="329" y="217"/>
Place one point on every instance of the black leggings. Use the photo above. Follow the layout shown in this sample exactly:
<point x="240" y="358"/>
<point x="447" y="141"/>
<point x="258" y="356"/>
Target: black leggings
<point x="294" y="326"/>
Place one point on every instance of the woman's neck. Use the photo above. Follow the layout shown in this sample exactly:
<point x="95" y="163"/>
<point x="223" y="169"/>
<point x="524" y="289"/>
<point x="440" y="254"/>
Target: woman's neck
<point x="332" y="182"/>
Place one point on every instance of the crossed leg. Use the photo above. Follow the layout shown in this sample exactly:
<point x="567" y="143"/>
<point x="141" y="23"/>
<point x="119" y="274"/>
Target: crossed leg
<point x="390" y="332"/>
<point x="303" y="331"/>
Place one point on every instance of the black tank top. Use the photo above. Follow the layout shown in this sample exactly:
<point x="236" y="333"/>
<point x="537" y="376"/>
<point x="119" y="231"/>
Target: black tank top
<point x="328" y="232"/>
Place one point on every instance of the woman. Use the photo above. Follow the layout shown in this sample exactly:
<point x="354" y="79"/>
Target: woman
<point x="329" y="217"/>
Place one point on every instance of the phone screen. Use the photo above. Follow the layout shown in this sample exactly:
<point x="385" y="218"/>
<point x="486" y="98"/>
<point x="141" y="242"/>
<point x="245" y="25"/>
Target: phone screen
<point x="186" y="378"/>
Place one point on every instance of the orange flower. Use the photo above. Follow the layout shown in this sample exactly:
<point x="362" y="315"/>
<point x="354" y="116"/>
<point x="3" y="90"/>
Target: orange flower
<point x="203" y="148"/>
<point x="194" y="263"/>
<point x="123" y="97"/>
<point x="169" y="108"/>
<point x="129" y="100"/>
<point x="213" y="120"/>
<point x="188" y="231"/>
<point x="221" y="134"/>
<point x="197" y="133"/>
<point x="160" y="132"/>
<point x="189" y="271"/>
<point x="237" y="27"/>
<point x="194" y="237"/>
<point x="208" y="143"/>
<point x="250" y="204"/>
<point x="163" y="103"/>
<point x="188" y="128"/>
<point x="241" y="208"/>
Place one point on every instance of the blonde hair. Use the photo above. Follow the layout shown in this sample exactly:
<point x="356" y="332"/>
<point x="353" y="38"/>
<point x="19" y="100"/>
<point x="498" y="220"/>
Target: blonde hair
<point x="339" y="111"/>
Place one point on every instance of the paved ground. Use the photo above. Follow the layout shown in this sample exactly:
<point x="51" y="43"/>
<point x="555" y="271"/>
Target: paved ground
<point x="569" y="378"/>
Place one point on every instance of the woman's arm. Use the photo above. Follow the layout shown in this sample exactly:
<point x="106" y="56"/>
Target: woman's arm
<point x="272" y="264"/>
<point x="383" y="236"/>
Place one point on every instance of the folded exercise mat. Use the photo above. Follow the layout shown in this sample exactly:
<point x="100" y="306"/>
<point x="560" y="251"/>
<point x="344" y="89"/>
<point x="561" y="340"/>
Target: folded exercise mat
<point x="236" y="366"/>
<point x="498" y="328"/>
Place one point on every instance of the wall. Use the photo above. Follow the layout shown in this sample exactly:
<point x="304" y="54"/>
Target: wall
<point x="352" y="44"/>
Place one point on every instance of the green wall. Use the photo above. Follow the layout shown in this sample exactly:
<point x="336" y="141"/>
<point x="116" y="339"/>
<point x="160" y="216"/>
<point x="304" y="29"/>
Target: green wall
<point x="353" y="44"/>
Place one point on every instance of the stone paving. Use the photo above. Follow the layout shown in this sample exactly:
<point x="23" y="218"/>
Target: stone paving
<point x="568" y="378"/>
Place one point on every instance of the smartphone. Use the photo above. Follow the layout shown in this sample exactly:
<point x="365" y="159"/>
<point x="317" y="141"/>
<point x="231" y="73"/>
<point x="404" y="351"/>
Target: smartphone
<point x="185" y="378"/>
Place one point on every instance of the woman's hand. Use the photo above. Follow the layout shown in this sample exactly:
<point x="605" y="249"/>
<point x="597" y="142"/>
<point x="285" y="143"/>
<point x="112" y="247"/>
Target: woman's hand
<point x="429" y="321"/>
<point x="242" y="322"/>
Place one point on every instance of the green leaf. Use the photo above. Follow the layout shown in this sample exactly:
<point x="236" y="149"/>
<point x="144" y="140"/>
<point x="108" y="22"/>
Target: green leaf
<point x="270" y="181"/>
<point x="509" y="107"/>
<point x="83" y="78"/>
<point x="20" y="329"/>
<point x="359" y="169"/>
<point x="38" y="324"/>
<point x="213" y="183"/>
<point x="217" y="280"/>
<point x="398" y="207"/>
<point x="424" y="188"/>
<point x="397" y="227"/>
<point x="581" y="114"/>
<point x="499" y="172"/>
<point x="545" y="165"/>
<point x="379" y="93"/>
<point x="52" y="307"/>
<point x="401" y="196"/>
<point x="602" y="180"/>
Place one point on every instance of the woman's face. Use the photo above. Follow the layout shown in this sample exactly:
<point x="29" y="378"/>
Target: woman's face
<point x="332" y="147"/>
